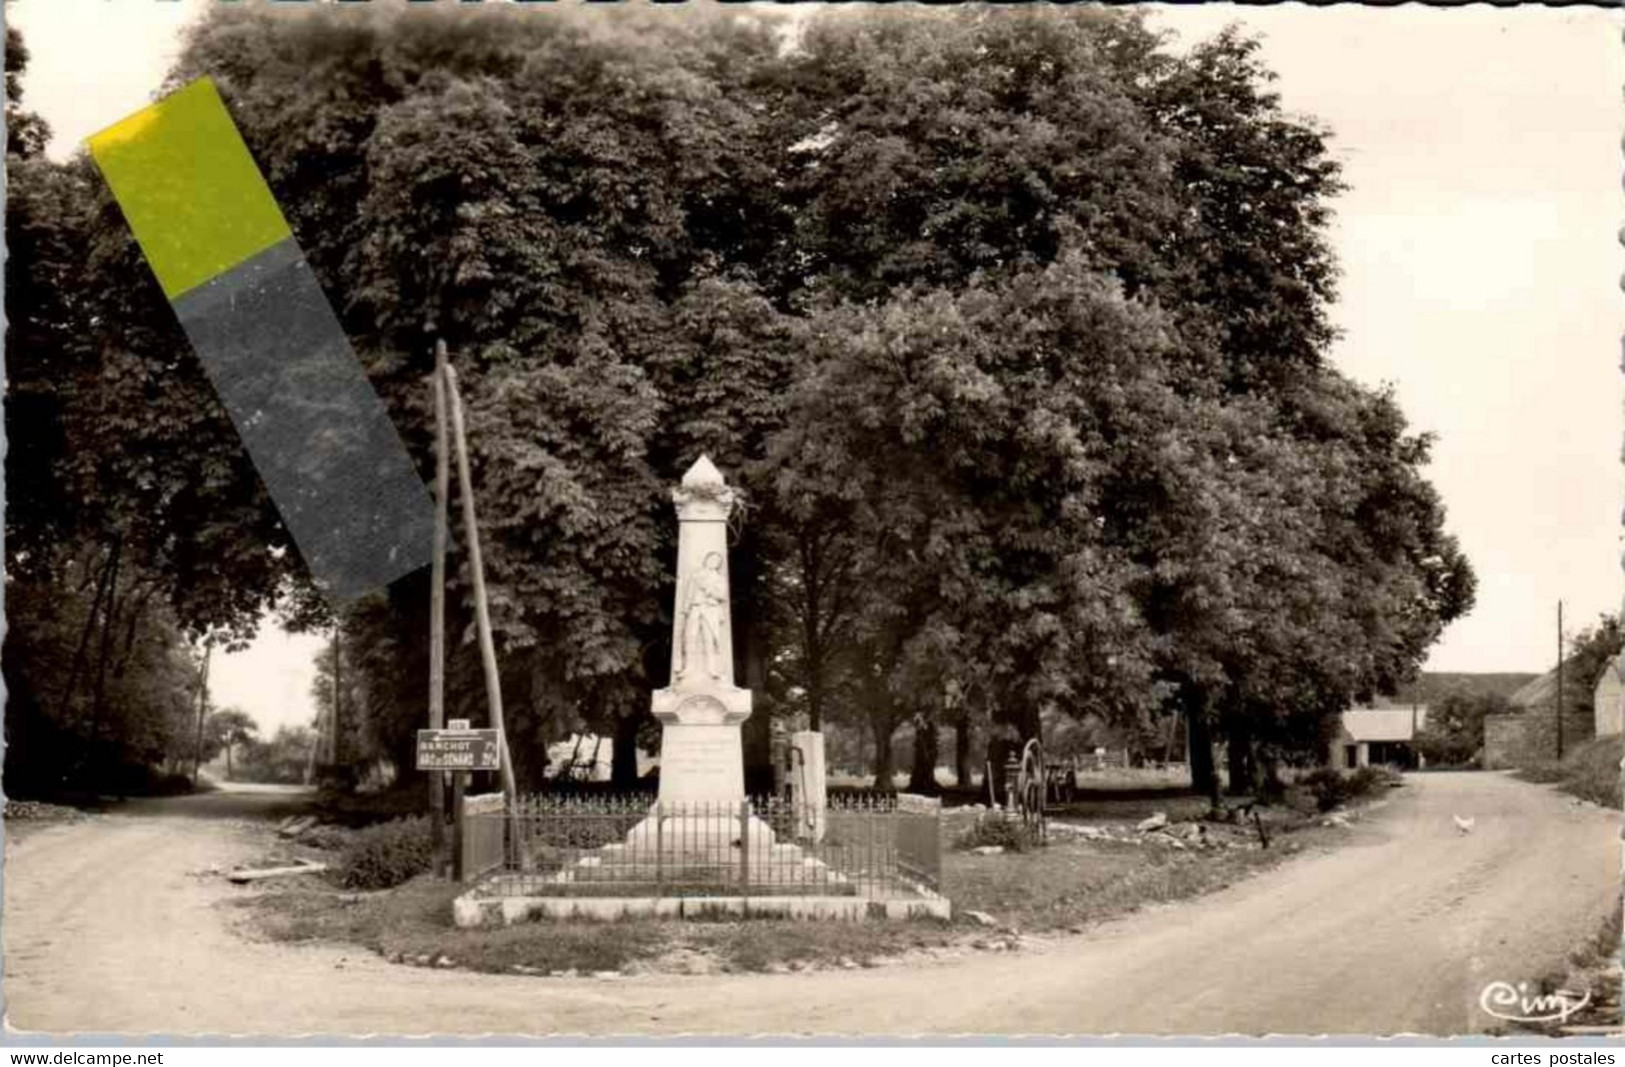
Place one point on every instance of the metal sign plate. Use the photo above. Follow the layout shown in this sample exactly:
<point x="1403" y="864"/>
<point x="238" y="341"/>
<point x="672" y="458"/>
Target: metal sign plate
<point x="458" y="750"/>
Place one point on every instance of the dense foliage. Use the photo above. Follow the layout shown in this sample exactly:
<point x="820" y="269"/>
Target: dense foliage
<point x="101" y="681"/>
<point x="1009" y="324"/>
<point x="1454" y="734"/>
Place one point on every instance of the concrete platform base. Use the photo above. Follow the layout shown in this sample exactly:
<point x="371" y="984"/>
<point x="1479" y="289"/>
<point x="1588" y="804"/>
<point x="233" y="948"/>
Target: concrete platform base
<point x="474" y="909"/>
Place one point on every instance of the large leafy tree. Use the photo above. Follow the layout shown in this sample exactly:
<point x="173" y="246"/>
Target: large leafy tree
<point x="564" y="200"/>
<point x="954" y="446"/>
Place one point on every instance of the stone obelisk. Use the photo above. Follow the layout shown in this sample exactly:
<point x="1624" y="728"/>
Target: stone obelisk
<point x="702" y="826"/>
<point x="701" y="756"/>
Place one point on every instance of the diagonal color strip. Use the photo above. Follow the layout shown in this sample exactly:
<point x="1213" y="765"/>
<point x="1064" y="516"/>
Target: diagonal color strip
<point x="189" y="188"/>
<point x="278" y="358"/>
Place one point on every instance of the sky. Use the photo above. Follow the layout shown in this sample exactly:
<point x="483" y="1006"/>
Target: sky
<point x="1480" y="271"/>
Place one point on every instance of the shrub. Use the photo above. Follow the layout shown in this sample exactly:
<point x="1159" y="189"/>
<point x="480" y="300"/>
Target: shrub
<point x="1331" y="787"/>
<point x="1448" y="749"/>
<point x="1367" y="780"/>
<point x="1327" y="786"/>
<point x="327" y="838"/>
<point x="997" y="828"/>
<point x="388" y="854"/>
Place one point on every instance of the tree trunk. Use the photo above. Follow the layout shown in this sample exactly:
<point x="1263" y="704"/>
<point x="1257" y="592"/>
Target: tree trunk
<point x="135" y="614"/>
<point x="623" y="761"/>
<point x="1271" y="788"/>
<point x="923" y="776"/>
<point x="202" y="709"/>
<point x="1237" y="750"/>
<point x="815" y="700"/>
<point x="84" y="638"/>
<point x="1203" y="777"/>
<point x="962" y="768"/>
<point x="750" y="637"/>
<point x="228" y="761"/>
<point x="338" y="694"/>
<point x="882" y="725"/>
<point x="109" y="620"/>
<point x="812" y="645"/>
<point x="1028" y="723"/>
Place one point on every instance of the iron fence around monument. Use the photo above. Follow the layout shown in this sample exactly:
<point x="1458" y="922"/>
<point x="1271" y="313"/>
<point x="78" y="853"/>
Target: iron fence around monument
<point x="634" y="846"/>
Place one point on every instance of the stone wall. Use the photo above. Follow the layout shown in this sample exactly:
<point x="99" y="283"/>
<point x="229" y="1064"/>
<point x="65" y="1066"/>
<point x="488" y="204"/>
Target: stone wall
<point x="1531" y="736"/>
<point x="1540" y="732"/>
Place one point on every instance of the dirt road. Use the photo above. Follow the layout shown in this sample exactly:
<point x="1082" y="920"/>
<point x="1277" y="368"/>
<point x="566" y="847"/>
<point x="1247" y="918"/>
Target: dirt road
<point x="107" y="931"/>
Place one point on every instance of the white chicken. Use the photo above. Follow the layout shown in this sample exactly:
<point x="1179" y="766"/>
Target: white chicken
<point x="1464" y="825"/>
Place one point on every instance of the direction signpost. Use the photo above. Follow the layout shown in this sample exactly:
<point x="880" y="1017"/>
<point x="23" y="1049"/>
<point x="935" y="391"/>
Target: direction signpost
<point x="461" y="751"/>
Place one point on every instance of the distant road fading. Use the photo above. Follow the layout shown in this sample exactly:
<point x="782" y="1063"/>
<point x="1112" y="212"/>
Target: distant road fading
<point x="106" y="930"/>
<point x="243" y="800"/>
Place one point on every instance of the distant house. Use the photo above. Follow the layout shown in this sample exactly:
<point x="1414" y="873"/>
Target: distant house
<point x="1608" y="699"/>
<point x="1368" y="736"/>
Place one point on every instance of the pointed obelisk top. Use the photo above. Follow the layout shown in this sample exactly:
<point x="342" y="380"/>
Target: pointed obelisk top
<point x="704" y="472"/>
<point x="704" y="496"/>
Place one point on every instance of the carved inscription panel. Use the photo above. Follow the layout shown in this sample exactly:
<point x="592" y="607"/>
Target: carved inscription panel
<point x="701" y="763"/>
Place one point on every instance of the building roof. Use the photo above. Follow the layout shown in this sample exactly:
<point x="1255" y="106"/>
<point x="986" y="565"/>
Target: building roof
<point x="1542" y="692"/>
<point x="1384" y="724"/>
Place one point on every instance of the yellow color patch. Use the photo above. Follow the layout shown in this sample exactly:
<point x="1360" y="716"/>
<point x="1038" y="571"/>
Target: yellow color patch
<point x="188" y="187"/>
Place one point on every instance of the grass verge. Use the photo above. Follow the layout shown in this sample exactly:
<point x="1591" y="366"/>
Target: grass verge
<point x="1591" y="772"/>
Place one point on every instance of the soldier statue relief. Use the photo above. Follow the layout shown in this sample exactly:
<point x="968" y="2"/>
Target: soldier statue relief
<point x="702" y="613"/>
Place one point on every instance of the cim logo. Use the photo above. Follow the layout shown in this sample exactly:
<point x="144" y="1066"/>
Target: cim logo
<point x="1515" y="1003"/>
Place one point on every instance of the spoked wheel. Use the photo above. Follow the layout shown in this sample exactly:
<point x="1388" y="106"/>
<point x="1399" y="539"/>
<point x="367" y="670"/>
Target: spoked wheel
<point x="1031" y="788"/>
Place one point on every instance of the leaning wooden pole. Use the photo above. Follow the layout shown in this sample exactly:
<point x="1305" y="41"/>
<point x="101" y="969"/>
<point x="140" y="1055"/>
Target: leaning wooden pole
<point x="437" y="599"/>
<point x="476" y="566"/>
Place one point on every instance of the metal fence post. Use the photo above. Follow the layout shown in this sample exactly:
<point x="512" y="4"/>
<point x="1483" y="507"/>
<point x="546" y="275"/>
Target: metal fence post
<point x="660" y="847"/>
<point x="744" y="844"/>
<point x="459" y="857"/>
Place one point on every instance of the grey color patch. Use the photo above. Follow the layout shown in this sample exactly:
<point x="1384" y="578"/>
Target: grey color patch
<point x="315" y="428"/>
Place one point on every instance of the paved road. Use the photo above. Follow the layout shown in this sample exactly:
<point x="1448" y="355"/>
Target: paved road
<point x="1399" y="931"/>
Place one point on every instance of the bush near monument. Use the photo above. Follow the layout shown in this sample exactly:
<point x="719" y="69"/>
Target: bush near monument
<point x="998" y="829"/>
<point x="386" y="855"/>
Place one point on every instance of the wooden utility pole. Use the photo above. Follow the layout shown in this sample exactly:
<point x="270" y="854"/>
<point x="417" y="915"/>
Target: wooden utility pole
<point x="337" y="690"/>
<point x="437" y="599"/>
<point x="202" y="709"/>
<point x="1559" y="679"/>
<point x="315" y="750"/>
<point x="476" y="566"/>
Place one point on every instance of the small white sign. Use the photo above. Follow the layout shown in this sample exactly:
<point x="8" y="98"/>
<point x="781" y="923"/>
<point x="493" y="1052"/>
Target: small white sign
<point x="457" y="724"/>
